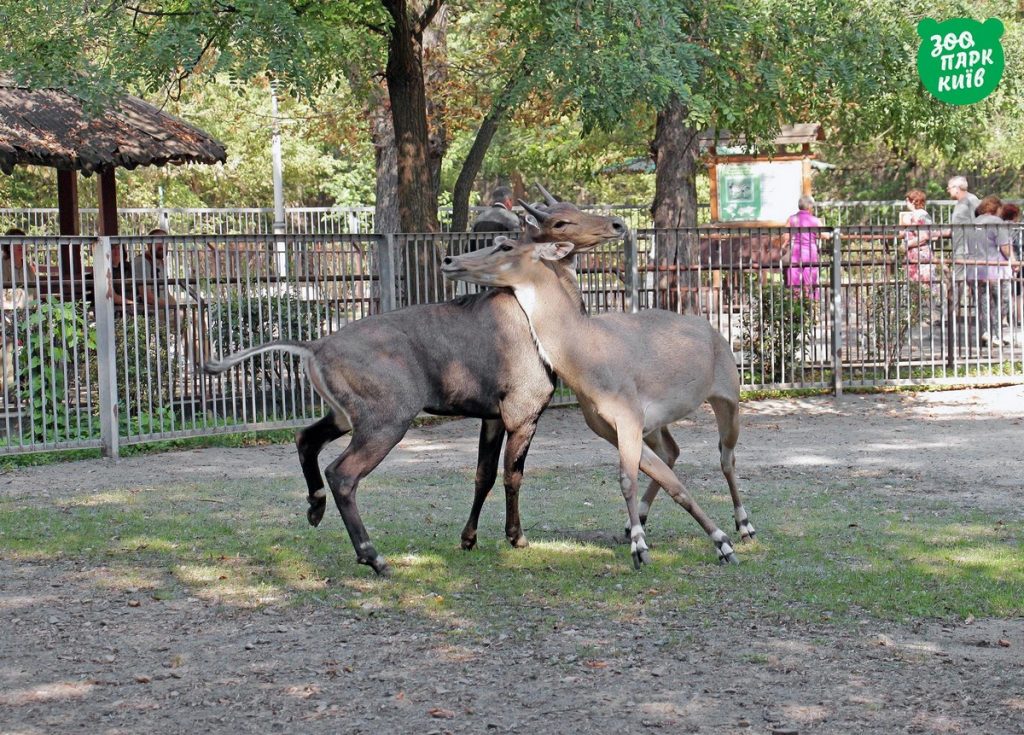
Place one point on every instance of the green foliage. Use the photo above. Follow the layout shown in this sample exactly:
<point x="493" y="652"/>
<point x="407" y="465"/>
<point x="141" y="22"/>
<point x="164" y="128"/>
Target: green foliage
<point x="54" y="338"/>
<point x="778" y="325"/>
<point x="239" y="321"/>
<point x="575" y="68"/>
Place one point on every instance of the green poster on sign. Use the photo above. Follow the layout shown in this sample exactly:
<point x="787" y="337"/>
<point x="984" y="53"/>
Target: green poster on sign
<point x="739" y="193"/>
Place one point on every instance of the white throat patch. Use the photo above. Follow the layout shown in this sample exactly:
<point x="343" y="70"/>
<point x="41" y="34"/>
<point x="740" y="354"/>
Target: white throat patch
<point x="527" y="298"/>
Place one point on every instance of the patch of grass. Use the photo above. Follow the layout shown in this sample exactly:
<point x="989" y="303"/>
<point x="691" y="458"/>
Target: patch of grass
<point x="838" y="551"/>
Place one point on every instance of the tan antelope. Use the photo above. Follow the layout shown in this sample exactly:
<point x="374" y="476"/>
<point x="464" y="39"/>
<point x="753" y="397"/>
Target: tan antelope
<point x="633" y="373"/>
<point x="472" y="356"/>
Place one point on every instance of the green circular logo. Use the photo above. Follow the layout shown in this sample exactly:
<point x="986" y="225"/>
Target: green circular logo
<point x="960" y="60"/>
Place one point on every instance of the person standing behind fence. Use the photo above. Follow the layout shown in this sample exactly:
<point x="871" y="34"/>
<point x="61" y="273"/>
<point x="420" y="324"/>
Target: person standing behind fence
<point x="963" y="214"/>
<point x="990" y="253"/>
<point x="1010" y="213"/>
<point x="498" y="217"/>
<point x="917" y="237"/>
<point x="150" y="276"/>
<point x="802" y="242"/>
<point x="19" y="280"/>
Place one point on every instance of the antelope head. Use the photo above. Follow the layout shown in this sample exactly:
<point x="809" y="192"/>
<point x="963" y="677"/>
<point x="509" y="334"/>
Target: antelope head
<point x="505" y="263"/>
<point x="562" y="221"/>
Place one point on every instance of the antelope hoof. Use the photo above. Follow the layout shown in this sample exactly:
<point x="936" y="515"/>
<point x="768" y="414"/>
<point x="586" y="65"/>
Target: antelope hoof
<point x="724" y="548"/>
<point x="746" y="530"/>
<point x="641" y="557"/>
<point x="518" y="541"/>
<point x="315" y="513"/>
<point x="377" y="563"/>
<point x="468" y="542"/>
<point x="743" y="525"/>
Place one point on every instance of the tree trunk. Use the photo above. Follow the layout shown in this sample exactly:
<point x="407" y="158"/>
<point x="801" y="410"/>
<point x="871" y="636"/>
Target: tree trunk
<point x="385" y="215"/>
<point x="417" y="197"/>
<point x="675" y="206"/>
<point x="477" y="152"/>
<point x="435" y="74"/>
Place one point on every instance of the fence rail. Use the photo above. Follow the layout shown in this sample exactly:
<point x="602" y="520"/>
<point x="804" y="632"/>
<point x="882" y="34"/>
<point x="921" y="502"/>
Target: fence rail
<point x="102" y="340"/>
<point x="360" y="219"/>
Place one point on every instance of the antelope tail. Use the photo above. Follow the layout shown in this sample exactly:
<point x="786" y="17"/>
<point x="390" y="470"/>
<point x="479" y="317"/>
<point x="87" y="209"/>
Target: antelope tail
<point x="295" y="347"/>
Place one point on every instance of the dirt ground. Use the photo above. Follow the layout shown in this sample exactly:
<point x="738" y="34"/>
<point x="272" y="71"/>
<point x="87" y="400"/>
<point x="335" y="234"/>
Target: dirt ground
<point x="75" y="658"/>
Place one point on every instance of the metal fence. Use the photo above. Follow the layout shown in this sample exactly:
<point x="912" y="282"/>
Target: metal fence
<point x="249" y="220"/>
<point x="360" y="219"/>
<point x="102" y="340"/>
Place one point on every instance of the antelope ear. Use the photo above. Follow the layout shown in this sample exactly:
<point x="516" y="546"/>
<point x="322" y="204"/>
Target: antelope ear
<point x="499" y="240"/>
<point x="532" y="226"/>
<point x="553" y="250"/>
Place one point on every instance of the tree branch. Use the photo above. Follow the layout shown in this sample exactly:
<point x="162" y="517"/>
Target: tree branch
<point x="428" y="15"/>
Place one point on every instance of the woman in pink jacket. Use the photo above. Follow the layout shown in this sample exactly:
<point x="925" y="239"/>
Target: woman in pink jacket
<point x="802" y="274"/>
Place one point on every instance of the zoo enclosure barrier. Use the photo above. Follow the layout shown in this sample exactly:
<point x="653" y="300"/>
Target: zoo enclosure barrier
<point x="101" y="348"/>
<point x="354" y="220"/>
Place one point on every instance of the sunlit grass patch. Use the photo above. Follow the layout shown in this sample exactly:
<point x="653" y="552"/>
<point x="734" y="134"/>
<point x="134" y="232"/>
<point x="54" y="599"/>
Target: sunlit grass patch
<point x="824" y="550"/>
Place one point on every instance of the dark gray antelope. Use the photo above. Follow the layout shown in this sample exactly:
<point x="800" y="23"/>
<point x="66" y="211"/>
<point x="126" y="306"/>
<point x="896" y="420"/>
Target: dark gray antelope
<point x="634" y="374"/>
<point x="472" y="356"/>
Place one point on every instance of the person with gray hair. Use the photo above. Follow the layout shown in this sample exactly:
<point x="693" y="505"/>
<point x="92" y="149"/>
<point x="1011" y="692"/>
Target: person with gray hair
<point x="963" y="215"/>
<point x="802" y="244"/>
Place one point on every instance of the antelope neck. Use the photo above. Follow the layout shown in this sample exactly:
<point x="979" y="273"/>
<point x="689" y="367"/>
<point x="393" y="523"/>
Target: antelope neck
<point x="555" y="319"/>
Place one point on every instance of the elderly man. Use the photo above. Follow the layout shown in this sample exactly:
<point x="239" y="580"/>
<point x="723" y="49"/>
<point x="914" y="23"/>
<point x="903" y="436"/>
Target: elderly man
<point x="963" y="214"/>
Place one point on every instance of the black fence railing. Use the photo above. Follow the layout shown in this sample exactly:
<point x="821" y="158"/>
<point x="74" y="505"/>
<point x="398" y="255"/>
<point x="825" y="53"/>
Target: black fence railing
<point x="102" y="340"/>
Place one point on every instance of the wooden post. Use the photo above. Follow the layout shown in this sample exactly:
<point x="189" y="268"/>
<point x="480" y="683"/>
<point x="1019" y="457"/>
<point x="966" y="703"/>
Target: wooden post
<point x="105" y="352"/>
<point x="106" y="224"/>
<point x="837" y="314"/>
<point x="632" y="275"/>
<point x="67" y="222"/>
<point x="713" y="180"/>
<point x="387" y="272"/>
<point x="67" y="203"/>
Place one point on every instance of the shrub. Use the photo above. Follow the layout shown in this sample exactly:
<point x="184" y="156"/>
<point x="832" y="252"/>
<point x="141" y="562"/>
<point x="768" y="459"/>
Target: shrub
<point x="778" y="325"/>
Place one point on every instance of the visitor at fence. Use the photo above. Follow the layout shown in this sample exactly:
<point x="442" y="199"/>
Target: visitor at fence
<point x="988" y="271"/>
<point x="498" y="217"/>
<point x="917" y="237"/>
<point x="1010" y="213"/>
<point x="150" y="276"/>
<point x="120" y="281"/>
<point x="19" y="272"/>
<point x="963" y="214"/>
<point x="19" y="290"/>
<point x="802" y="243"/>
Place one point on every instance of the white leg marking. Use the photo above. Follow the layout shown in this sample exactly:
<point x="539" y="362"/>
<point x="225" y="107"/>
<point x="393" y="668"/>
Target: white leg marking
<point x="645" y="508"/>
<point x="636" y="533"/>
<point x="743" y="524"/>
<point x="321" y="493"/>
<point x="722" y="543"/>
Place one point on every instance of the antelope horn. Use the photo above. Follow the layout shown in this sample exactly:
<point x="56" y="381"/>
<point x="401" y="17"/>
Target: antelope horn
<point x="540" y="214"/>
<point x="548" y="197"/>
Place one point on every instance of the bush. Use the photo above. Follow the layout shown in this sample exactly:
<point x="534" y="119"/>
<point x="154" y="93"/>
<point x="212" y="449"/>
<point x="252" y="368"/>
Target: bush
<point x="893" y="309"/>
<point x="778" y="325"/>
<point x="56" y="363"/>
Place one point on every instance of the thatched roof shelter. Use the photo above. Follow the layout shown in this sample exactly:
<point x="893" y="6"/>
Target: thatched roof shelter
<point x="802" y="134"/>
<point x="49" y="127"/>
